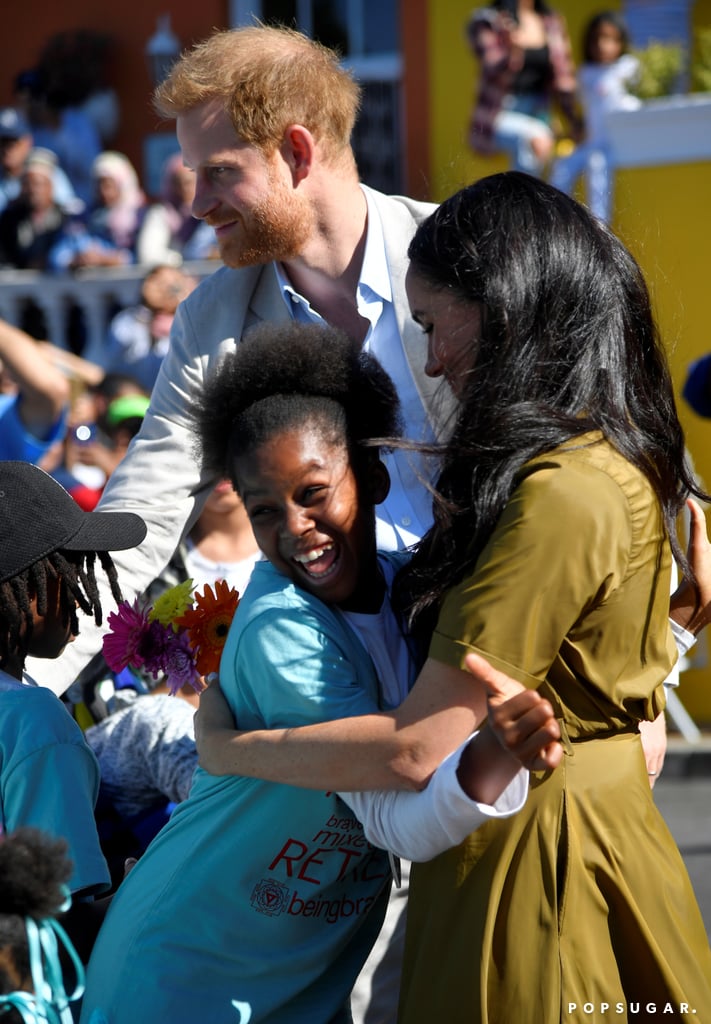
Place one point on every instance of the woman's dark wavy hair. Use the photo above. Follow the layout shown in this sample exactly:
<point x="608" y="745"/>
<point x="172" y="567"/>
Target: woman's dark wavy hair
<point x="281" y="376"/>
<point x="568" y="344"/>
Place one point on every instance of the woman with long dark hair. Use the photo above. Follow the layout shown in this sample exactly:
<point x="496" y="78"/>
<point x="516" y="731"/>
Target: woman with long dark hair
<point x="550" y="556"/>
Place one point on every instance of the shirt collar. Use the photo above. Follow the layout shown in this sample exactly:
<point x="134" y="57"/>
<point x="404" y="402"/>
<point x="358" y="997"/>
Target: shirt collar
<point x="374" y="275"/>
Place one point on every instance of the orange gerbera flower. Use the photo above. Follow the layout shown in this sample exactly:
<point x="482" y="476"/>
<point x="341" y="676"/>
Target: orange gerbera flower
<point x="208" y="623"/>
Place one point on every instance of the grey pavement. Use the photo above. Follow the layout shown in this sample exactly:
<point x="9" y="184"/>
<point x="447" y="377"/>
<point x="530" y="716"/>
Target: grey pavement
<point x="683" y="795"/>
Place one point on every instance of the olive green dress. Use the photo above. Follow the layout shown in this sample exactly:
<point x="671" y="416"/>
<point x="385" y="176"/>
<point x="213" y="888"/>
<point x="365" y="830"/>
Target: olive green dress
<point x="578" y="908"/>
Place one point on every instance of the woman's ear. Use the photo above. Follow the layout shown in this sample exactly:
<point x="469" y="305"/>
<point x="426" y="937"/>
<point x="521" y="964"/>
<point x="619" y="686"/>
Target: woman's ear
<point x="378" y="482"/>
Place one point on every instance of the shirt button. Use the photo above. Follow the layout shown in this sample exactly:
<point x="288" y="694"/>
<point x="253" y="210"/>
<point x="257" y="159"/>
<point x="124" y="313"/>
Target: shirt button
<point x="406" y="521"/>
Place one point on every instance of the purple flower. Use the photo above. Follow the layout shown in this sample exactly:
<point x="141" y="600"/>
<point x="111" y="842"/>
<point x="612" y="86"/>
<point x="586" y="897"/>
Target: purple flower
<point x="168" y="653"/>
<point x="122" y="646"/>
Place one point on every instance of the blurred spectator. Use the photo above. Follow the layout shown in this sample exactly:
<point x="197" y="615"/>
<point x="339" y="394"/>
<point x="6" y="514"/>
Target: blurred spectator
<point x="697" y="386"/>
<point x="169" y="232"/>
<point x="526" y="67"/>
<point x="108" y="236"/>
<point x="138" y="336"/>
<point x="59" y="126"/>
<point x="33" y="400"/>
<point x="121" y="201"/>
<point x="31" y="225"/>
<point x="16" y="143"/>
<point x="605" y="78"/>
<point x="76" y="65"/>
<point x="93" y="445"/>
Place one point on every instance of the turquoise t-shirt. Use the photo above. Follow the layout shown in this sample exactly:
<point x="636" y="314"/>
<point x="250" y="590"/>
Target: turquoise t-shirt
<point x="256" y="901"/>
<point x="49" y="778"/>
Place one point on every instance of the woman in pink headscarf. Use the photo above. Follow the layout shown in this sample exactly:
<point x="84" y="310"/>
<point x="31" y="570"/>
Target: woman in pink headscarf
<point x="109" y="236"/>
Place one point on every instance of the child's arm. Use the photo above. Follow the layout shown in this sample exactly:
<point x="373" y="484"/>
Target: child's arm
<point x="398" y="749"/>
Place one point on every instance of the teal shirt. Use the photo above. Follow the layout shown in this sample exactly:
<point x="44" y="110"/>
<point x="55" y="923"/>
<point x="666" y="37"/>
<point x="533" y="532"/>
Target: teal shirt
<point x="255" y="895"/>
<point x="49" y="778"/>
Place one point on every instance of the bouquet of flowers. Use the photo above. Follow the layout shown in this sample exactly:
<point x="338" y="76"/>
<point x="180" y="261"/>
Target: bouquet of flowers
<point x="180" y="637"/>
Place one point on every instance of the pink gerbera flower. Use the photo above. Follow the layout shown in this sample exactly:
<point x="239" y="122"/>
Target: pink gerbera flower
<point x="129" y="625"/>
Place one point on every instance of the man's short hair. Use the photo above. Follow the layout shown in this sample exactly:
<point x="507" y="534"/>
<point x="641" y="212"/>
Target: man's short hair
<point x="266" y="78"/>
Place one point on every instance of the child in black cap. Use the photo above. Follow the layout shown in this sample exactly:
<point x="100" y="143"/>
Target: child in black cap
<point x="49" y="777"/>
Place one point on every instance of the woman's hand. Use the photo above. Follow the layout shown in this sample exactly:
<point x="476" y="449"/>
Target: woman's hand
<point x="214" y="727"/>
<point x="654" y="744"/>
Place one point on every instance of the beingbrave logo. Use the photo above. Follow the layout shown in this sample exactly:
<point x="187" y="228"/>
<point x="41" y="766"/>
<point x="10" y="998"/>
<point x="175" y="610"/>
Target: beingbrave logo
<point x="337" y="853"/>
<point x="269" y="897"/>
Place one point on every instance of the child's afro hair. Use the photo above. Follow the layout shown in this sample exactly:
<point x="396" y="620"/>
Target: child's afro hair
<point x="291" y="372"/>
<point x="34" y="870"/>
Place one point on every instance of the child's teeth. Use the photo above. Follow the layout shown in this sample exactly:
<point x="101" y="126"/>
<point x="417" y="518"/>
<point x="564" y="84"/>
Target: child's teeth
<point x="311" y="556"/>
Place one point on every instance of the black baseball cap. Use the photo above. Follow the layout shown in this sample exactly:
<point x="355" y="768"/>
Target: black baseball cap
<point x="37" y="517"/>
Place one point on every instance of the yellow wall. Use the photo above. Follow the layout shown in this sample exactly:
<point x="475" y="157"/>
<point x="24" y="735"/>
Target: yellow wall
<point x="663" y="214"/>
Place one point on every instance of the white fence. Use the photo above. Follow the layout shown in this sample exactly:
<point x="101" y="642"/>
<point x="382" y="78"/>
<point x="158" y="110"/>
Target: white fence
<point x="97" y="293"/>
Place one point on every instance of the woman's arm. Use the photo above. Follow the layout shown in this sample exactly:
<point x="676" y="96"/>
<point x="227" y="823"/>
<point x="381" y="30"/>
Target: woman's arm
<point x="398" y="749"/>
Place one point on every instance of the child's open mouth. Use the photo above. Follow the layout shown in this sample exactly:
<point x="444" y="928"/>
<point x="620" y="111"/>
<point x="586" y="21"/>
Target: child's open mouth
<point x="319" y="562"/>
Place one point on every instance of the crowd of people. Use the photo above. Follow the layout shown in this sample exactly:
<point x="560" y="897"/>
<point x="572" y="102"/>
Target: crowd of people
<point x="436" y="451"/>
<point x="67" y="198"/>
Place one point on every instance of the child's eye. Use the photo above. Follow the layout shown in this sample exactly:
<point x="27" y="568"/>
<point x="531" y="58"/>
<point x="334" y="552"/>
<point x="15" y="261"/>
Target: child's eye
<point x="259" y="512"/>
<point x="314" y="492"/>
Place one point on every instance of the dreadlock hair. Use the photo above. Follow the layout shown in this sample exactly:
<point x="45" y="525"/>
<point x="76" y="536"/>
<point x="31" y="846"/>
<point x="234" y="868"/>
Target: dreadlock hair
<point x="567" y="345"/>
<point x="77" y="586"/>
<point x="283" y="376"/>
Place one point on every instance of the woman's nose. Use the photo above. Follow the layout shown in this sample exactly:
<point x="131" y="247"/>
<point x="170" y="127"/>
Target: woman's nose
<point x="433" y="365"/>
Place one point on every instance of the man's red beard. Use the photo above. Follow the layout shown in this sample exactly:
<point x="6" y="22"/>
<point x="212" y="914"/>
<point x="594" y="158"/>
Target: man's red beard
<point x="277" y="230"/>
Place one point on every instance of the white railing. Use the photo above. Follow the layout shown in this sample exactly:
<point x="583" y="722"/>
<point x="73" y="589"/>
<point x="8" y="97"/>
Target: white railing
<point x="97" y="293"/>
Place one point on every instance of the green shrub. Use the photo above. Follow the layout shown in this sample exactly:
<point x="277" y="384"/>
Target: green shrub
<point x="661" y="66"/>
<point x="701" y="61"/>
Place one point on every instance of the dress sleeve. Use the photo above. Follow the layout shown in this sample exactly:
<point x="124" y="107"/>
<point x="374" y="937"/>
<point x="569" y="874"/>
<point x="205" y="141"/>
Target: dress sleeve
<point x="419" y="826"/>
<point x="562" y="544"/>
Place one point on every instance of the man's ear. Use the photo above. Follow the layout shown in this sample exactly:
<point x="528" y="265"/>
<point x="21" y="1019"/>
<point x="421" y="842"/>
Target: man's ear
<point x="378" y="482"/>
<point x="297" y="150"/>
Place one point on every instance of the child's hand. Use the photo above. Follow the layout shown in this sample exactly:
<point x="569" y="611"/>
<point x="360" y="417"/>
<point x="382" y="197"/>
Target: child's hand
<point x="522" y="720"/>
<point x="214" y="725"/>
